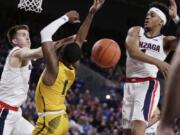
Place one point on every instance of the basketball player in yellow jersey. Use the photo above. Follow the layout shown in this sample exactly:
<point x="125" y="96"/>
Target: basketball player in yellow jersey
<point x="59" y="73"/>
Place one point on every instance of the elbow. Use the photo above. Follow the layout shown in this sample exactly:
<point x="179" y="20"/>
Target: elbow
<point x="40" y="55"/>
<point x="133" y="55"/>
<point x="132" y="51"/>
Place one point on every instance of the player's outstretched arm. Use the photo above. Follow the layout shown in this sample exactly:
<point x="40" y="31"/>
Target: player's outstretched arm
<point x="172" y="101"/>
<point x="48" y="46"/>
<point x="28" y="54"/>
<point x="81" y="35"/>
<point x="83" y="30"/>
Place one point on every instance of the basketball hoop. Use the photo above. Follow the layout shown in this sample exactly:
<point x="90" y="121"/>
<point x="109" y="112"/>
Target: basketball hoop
<point x="31" y="5"/>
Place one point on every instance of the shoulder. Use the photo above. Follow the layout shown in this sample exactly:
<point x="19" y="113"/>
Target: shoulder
<point x="169" y="38"/>
<point x="18" y="52"/>
<point x="169" y="43"/>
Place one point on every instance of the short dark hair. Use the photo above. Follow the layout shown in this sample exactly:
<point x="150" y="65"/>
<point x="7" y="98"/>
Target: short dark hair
<point x="71" y="53"/>
<point x="164" y="8"/>
<point x="12" y="31"/>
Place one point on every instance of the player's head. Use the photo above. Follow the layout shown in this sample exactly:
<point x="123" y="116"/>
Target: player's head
<point x="18" y="35"/>
<point x="157" y="16"/>
<point x="69" y="53"/>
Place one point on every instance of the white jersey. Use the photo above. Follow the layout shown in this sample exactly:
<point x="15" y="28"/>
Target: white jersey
<point x="14" y="83"/>
<point x="150" y="46"/>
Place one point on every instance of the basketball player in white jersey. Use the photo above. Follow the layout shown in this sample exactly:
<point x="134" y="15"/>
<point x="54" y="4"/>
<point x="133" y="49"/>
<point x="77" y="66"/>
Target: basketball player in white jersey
<point x="15" y="77"/>
<point x="14" y="82"/>
<point x="146" y="50"/>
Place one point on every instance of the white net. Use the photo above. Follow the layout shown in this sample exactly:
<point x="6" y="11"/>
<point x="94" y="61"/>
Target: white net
<point x="30" y="5"/>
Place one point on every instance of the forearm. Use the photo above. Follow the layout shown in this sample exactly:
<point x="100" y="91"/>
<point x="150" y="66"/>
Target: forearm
<point x="64" y="41"/>
<point x="49" y="30"/>
<point x="83" y="30"/>
<point x="34" y="53"/>
<point x="29" y="54"/>
<point x="138" y="55"/>
<point x="37" y="53"/>
<point x="50" y="57"/>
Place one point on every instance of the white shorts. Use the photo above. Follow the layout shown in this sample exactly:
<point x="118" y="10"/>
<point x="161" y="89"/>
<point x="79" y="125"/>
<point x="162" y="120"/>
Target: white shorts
<point x="12" y="123"/>
<point x="139" y="101"/>
<point x="152" y="129"/>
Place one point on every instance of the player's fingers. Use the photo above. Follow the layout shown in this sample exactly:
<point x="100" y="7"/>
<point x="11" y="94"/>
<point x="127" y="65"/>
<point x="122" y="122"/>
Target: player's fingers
<point x="164" y="74"/>
<point x="76" y="21"/>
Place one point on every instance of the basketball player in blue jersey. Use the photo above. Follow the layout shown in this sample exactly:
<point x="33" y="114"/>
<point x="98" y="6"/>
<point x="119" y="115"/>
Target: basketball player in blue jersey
<point x="146" y="50"/>
<point x="59" y="75"/>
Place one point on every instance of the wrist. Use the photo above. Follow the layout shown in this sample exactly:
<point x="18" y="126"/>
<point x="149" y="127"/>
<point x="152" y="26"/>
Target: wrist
<point x="65" y="18"/>
<point x="91" y="14"/>
<point x="176" y="19"/>
<point x="156" y="63"/>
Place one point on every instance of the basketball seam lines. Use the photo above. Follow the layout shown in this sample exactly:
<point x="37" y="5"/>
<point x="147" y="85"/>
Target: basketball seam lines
<point x="100" y="58"/>
<point x="113" y="56"/>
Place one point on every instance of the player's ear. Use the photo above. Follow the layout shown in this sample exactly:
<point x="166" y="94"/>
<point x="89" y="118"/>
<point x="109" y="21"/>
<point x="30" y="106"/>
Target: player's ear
<point x="14" y="41"/>
<point x="161" y="22"/>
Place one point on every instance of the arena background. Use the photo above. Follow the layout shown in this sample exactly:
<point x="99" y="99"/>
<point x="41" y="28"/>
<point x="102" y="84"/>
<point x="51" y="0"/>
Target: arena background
<point x="95" y="98"/>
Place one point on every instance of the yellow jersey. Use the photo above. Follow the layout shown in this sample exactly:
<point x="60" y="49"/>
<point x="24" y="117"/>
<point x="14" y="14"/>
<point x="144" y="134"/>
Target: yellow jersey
<point x="52" y="98"/>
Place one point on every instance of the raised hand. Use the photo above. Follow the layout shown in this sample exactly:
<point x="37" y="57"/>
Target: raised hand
<point x="173" y="9"/>
<point x="96" y="6"/>
<point x="73" y="16"/>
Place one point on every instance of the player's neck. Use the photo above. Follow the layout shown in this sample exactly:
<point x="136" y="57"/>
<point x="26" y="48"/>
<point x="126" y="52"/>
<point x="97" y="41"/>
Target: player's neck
<point x="68" y="65"/>
<point x="153" y="33"/>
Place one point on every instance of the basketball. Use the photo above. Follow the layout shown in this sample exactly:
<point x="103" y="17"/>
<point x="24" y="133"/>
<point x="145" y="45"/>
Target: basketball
<point x="106" y="53"/>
